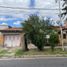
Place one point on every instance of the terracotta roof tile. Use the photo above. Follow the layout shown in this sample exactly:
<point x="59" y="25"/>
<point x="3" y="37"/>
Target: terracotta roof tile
<point x="12" y="29"/>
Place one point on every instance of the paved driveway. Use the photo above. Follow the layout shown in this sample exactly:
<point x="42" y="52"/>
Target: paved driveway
<point x="44" y="62"/>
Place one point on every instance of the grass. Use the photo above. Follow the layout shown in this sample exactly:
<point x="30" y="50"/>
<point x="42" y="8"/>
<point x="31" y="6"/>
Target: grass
<point x="2" y="52"/>
<point x="20" y="53"/>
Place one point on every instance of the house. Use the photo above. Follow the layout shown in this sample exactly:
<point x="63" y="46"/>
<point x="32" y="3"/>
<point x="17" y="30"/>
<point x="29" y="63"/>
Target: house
<point x="14" y="37"/>
<point x="64" y="34"/>
<point x="10" y="37"/>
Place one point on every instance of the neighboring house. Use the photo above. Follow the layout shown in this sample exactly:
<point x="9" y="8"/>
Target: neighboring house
<point x="64" y="32"/>
<point x="14" y="37"/>
<point x="10" y="37"/>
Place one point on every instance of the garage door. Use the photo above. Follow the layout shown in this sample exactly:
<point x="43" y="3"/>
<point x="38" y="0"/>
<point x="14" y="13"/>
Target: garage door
<point x="12" y="41"/>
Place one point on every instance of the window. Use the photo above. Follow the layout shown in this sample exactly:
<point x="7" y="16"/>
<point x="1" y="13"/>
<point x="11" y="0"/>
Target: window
<point x="64" y="36"/>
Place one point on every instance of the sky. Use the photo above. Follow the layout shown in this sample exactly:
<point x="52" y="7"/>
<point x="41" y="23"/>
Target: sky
<point x="14" y="17"/>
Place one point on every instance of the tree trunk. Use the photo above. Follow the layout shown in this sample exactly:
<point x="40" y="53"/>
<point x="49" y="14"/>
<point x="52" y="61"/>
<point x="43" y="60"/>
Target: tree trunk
<point x="25" y="42"/>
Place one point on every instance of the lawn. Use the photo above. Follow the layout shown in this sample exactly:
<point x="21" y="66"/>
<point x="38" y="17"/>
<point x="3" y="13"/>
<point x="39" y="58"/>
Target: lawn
<point x="32" y="52"/>
<point x="46" y="52"/>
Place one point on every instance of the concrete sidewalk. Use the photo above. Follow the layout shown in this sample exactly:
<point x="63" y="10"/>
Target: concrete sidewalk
<point x="31" y="58"/>
<point x="35" y="56"/>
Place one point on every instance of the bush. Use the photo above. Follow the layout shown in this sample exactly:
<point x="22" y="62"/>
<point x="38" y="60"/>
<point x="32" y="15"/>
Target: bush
<point x="53" y="40"/>
<point x="38" y="40"/>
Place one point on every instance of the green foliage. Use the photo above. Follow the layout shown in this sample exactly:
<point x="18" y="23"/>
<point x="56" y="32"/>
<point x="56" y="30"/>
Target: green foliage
<point x="35" y="29"/>
<point x="53" y="40"/>
<point x="19" y="53"/>
<point x="65" y="8"/>
<point x="2" y="52"/>
<point x="38" y="40"/>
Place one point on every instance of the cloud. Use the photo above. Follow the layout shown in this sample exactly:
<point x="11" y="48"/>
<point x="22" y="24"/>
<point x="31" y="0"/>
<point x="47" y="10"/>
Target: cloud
<point x="6" y="19"/>
<point x="3" y="19"/>
<point x="24" y="14"/>
<point x="17" y="23"/>
<point x="16" y="3"/>
<point x="4" y="23"/>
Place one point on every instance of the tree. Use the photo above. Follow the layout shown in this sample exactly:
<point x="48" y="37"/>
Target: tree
<point x="36" y="28"/>
<point x="65" y="8"/>
<point x="25" y="40"/>
<point x="60" y="16"/>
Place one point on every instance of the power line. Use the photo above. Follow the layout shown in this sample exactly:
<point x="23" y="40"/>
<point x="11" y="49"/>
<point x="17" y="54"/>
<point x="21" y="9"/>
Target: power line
<point x="24" y="12"/>
<point x="26" y="8"/>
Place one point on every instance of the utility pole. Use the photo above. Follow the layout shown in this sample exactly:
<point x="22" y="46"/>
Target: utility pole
<point x="61" y="25"/>
<point x="32" y="4"/>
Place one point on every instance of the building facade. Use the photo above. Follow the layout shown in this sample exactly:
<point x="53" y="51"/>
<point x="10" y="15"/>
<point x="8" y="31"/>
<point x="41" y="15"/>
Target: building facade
<point x="10" y="37"/>
<point x="14" y="37"/>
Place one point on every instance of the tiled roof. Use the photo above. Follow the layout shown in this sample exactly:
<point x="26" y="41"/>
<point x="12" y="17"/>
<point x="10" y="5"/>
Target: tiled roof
<point x="12" y="29"/>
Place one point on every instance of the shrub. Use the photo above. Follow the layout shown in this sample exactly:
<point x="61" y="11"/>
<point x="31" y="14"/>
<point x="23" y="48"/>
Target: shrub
<point x="53" y="40"/>
<point x="38" y="40"/>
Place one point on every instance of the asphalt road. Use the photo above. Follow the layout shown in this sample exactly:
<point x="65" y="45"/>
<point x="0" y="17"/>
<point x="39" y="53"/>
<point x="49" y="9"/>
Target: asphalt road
<point x="41" y="62"/>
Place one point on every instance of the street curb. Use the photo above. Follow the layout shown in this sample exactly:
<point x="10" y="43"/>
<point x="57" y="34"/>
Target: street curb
<point x="33" y="57"/>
